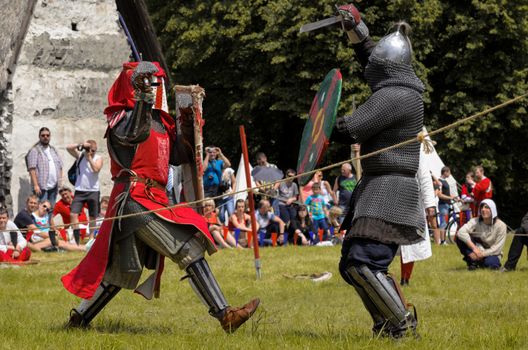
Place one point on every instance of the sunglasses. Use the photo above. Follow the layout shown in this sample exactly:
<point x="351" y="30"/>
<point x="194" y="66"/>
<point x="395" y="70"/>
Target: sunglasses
<point x="45" y="135"/>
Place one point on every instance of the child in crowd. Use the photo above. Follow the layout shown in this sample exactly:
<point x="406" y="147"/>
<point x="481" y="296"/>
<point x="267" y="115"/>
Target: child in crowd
<point x="317" y="206"/>
<point x="215" y="227"/>
<point x="334" y="215"/>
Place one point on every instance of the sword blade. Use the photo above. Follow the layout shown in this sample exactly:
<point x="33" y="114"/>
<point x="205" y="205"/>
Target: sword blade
<point x="321" y="24"/>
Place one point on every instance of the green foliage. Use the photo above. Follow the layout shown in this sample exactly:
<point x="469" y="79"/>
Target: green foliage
<point x="457" y="309"/>
<point x="260" y="72"/>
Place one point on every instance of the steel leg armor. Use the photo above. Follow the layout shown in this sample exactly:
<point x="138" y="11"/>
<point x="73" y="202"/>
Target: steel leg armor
<point x="88" y="309"/>
<point x="205" y="285"/>
<point x="384" y="301"/>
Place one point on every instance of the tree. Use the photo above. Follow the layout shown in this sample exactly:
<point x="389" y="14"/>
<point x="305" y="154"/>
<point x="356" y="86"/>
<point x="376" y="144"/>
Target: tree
<point x="259" y="71"/>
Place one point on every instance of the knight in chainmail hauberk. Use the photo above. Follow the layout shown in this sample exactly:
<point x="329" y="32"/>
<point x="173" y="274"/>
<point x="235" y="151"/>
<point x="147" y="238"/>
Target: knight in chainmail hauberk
<point x="385" y="208"/>
<point x="142" y="143"/>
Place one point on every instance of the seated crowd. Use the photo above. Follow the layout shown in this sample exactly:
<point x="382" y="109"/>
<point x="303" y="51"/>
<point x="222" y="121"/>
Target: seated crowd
<point x="34" y="228"/>
<point x="312" y="214"/>
<point x="283" y="213"/>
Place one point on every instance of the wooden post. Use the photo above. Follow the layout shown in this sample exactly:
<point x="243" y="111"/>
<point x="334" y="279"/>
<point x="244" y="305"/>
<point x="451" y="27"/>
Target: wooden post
<point x="357" y="163"/>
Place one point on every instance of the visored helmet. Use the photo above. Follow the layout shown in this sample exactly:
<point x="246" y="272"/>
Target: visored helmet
<point x="396" y="46"/>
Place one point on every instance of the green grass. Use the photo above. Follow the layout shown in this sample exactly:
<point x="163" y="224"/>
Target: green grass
<point x="457" y="309"/>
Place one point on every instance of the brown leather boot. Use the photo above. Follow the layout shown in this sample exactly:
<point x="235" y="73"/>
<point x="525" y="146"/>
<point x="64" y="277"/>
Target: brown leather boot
<point x="235" y="317"/>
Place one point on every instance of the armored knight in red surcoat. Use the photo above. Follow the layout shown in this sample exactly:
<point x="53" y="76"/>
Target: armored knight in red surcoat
<point x="141" y="144"/>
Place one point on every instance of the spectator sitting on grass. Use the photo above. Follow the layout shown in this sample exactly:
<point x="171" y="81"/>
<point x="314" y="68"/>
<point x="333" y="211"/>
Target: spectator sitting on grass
<point x="103" y="206"/>
<point x="267" y="223"/>
<point x="13" y="246"/>
<point x="481" y="240"/>
<point x="242" y="221"/>
<point x="301" y="226"/>
<point x="226" y="204"/>
<point x="317" y="206"/>
<point x="63" y="208"/>
<point x="335" y="214"/>
<point x="215" y="228"/>
<point x="40" y="239"/>
<point x="288" y="195"/>
<point x="24" y="219"/>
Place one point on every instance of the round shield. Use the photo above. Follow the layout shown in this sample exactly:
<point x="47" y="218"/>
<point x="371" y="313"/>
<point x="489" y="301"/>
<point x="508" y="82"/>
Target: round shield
<point x="320" y="123"/>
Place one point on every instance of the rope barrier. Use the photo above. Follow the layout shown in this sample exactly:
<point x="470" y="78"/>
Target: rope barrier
<point x="419" y="138"/>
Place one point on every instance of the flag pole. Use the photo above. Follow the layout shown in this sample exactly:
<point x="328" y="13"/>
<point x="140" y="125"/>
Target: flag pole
<point x="251" y="201"/>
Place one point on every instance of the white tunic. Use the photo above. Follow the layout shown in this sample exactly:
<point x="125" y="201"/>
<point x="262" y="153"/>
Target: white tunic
<point x="421" y="250"/>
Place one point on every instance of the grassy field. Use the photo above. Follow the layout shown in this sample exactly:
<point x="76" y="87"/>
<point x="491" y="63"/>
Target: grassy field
<point x="457" y="309"/>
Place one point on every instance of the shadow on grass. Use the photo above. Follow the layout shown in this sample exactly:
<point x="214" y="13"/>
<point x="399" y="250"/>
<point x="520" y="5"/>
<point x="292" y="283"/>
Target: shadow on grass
<point x="124" y="327"/>
<point x="458" y="268"/>
<point x="117" y="327"/>
<point x="309" y="334"/>
<point x="465" y="268"/>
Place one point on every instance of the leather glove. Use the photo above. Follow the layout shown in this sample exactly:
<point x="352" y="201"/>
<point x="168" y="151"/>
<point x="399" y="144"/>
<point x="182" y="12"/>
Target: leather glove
<point x="351" y="16"/>
<point x="142" y="76"/>
<point x="352" y="24"/>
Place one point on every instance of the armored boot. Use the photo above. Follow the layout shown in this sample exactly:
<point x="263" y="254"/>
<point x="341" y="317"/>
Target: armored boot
<point x="206" y="287"/>
<point x="88" y="309"/>
<point x="384" y="300"/>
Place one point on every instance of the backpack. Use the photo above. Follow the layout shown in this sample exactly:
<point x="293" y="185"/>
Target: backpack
<point x="74" y="170"/>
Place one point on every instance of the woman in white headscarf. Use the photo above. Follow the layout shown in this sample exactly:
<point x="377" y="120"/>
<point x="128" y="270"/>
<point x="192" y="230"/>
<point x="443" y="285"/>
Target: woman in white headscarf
<point x="481" y="240"/>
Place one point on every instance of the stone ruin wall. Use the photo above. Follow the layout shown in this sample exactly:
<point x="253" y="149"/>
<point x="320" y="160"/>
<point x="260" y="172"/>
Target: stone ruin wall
<point x="13" y="27"/>
<point x="72" y="52"/>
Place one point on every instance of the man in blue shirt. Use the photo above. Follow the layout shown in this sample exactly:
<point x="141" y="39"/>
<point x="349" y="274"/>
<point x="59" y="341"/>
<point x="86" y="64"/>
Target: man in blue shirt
<point x="214" y="164"/>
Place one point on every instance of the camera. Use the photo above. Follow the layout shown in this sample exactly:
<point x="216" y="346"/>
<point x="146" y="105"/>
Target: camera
<point x="82" y="147"/>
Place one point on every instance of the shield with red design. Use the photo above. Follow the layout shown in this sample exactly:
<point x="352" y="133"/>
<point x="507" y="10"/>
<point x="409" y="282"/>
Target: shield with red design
<point x="320" y="123"/>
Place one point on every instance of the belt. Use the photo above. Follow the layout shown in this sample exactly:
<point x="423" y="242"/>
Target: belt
<point x="148" y="182"/>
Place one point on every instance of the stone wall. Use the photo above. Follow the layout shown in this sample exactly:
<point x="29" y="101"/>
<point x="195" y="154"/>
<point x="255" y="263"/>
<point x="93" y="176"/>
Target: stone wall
<point x="16" y="16"/>
<point x="72" y="53"/>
